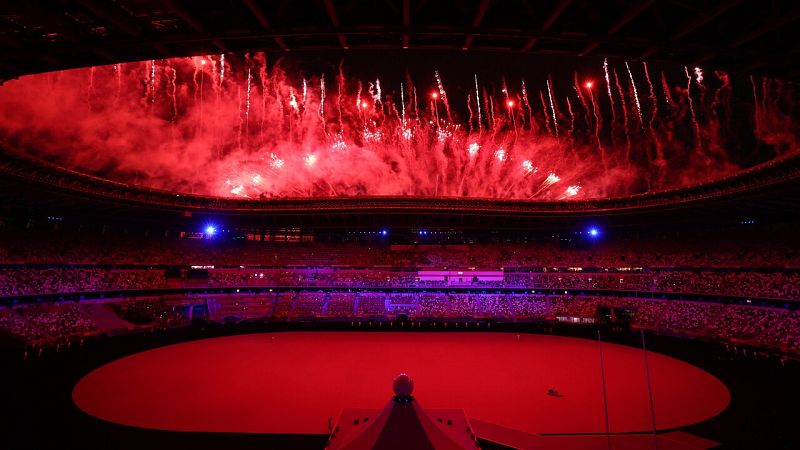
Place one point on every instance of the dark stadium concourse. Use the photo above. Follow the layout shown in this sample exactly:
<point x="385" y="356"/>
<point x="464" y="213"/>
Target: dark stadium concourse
<point x="386" y="224"/>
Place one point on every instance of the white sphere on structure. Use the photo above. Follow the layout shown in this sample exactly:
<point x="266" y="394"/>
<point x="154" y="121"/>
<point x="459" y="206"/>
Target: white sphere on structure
<point x="403" y="385"/>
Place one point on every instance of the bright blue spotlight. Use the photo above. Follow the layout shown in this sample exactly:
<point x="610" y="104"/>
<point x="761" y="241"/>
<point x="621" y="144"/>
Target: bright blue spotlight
<point x="384" y="232"/>
<point x="594" y="232"/>
<point x="211" y="230"/>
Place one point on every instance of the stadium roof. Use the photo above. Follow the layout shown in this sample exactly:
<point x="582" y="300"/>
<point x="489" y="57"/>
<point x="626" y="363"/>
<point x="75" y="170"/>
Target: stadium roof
<point x="742" y="36"/>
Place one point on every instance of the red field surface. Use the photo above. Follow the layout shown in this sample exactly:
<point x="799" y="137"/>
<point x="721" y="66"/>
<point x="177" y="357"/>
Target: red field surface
<point x="292" y="382"/>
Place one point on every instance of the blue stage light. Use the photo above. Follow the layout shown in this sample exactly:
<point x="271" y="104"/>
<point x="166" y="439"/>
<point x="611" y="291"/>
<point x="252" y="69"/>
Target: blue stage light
<point x="211" y="230"/>
<point x="594" y="232"/>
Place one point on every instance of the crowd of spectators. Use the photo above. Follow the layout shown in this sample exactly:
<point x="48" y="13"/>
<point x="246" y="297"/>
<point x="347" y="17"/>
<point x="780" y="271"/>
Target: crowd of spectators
<point x="15" y="281"/>
<point x="775" y="328"/>
<point x="153" y="311"/>
<point x="19" y="281"/>
<point x="716" y="251"/>
<point x="16" y="325"/>
<point x="58" y="319"/>
<point x="71" y="262"/>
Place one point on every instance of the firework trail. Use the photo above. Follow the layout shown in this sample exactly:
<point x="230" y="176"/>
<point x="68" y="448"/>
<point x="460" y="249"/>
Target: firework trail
<point x="651" y="96"/>
<point x="635" y="94"/>
<point x="611" y="103"/>
<point x="510" y="104"/>
<point x="722" y="97"/>
<point x="359" y="105"/>
<point x="527" y="104"/>
<point x="435" y="108"/>
<point x="504" y="89"/>
<point x="486" y="108"/>
<point x="416" y="104"/>
<point x="701" y="104"/>
<point x="194" y="78"/>
<point x="171" y="91"/>
<point x="411" y="96"/>
<point x="276" y="91"/>
<point x="322" y="104"/>
<point x="696" y="126"/>
<point x="469" y="109"/>
<point x="698" y="74"/>
<point x="377" y="97"/>
<point x="118" y="73"/>
<point x="90" y="89"/>
<point x="492" y="116"/>
<point x="221" y="69"/>
<point x="443" y="94"/>
<point x="582" y="98"/>
<point x="262" y="76"/>
<point x="598" y="124"/>
<point x="340" y="96"/>
<point x="756" y="112"/>
<point x="552" y="106"/>
<point x="667" y="95"/>
<point x="571" y="191"/>
<point x="478" y="102"/>
<point x="241" y="119"/>
<point x="152" y="81"/>
<point x="659" y="159"/>
<point x="402" y="104"/>
<point x="610" y="96"/>
<point x="544" y="112"/>
<point x="571" y="122"/>
<point x="247" y="104"/>
<point x="371" y="92"/>
<point x="624" y="115"/>
<point x="201" y="96"/>
<point x="304" y="97"/>
<point x="551" y="179"/>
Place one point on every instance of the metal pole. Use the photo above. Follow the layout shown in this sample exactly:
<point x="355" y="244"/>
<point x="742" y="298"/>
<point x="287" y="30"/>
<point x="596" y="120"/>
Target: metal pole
<point x="649" y="391"/>
<point x="603" y="378"/>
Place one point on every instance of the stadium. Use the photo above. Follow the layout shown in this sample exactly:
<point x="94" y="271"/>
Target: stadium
<point x="394" y="224"/>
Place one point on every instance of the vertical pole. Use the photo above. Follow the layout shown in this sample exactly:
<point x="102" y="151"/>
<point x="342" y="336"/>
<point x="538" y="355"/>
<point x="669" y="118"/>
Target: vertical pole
<point x="603" y="379"/>
<point x="649" y="391"/>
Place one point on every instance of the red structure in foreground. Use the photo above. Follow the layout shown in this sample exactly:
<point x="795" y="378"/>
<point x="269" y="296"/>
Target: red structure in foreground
<point x="402" y="423"/>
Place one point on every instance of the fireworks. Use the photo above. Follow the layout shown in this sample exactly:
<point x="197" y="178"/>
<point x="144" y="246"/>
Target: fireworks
<point x="528" y="167"/>
<point x="148" y="119"/>
<point x="275" y="163"/>
<point x="571" y="191"/>
<point x="152" y="81"/>
<point x="552" y="107"/>
<point x="310" y="160"/>
<point x="473" y="149"/>
<point x="698" y="74"/>
<point x="339" y="145"/>
<point x="635" y="94"/>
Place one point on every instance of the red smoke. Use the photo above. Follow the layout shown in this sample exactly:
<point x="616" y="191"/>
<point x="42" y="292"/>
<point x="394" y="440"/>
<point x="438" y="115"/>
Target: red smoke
<point x="200" y="125"/>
